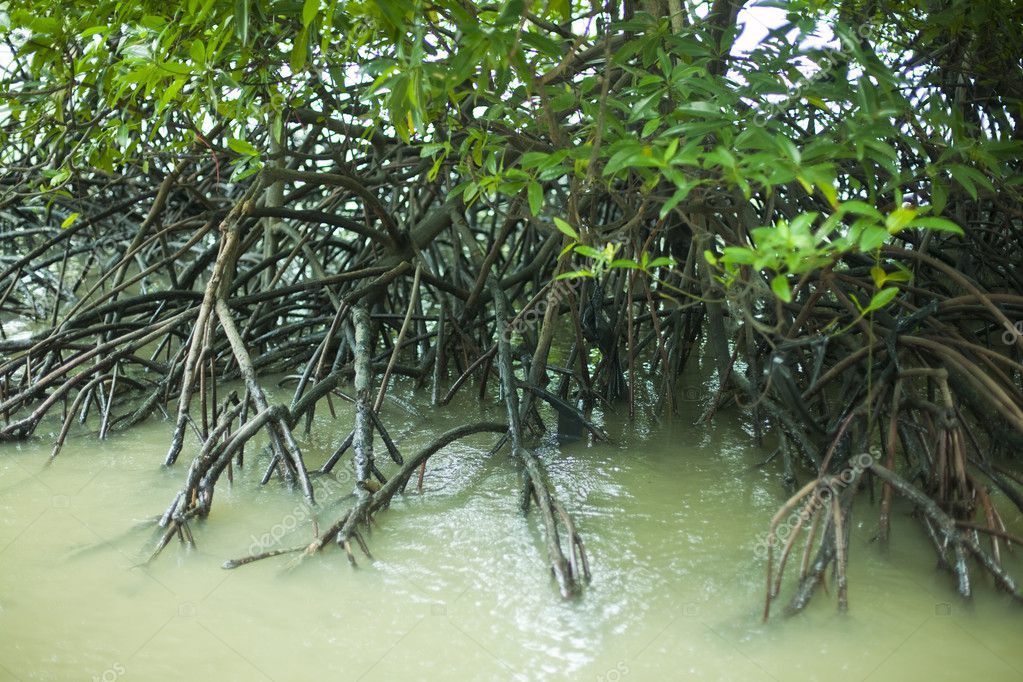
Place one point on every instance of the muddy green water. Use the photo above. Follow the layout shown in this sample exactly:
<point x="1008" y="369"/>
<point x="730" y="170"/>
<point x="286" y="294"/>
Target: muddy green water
<point x="670" y="514"/>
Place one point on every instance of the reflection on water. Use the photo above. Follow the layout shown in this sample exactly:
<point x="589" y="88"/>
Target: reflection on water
<point x="459" y="589"/>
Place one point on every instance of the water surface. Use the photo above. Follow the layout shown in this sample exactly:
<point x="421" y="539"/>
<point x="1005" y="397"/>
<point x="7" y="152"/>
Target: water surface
<point x="459" y="589"/>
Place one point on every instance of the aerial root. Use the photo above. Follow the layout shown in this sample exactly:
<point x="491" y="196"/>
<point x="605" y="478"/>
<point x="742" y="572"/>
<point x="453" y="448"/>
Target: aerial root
<point x="961" y="540"/>
<point x="954" y="540"/>
<point x="565" y="572"/>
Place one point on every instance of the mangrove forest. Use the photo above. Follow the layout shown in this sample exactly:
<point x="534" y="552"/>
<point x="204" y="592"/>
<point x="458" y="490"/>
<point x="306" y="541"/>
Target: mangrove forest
<point x="580" y="332"/>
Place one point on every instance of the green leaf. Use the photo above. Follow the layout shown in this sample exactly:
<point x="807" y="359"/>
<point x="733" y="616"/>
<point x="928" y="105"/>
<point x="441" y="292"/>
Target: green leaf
<point x="780" y="287"/>
<point x="152" y="21"/>
<point x="533" y="159"/>
<point x="936" y="223"/>
<point x="861" y="208"/>
<point x="470" y="192"/>
<point x="588" y="252"/>
<point x="738" y="254"/>
<point x="661" y="262"/>
<point x="698" y="108"/>
<point x="873" y="237"/>
<point x="829" y="192"/>
<point x="709" y="256"/>
<point x="431" y="175"/>
<point x="244" y="170"/>
<point x="881" y="299"/>
<point x="817" y="102"/>
<point x="626" y="263"/>
<point x="969" y="178"/>
<point x="566" y="229"/>
<point x="242" y="147"/>
<point x="69" y="221"/>
<point x="241" y="17"/>
<point x="309" y="11"/>
<point x="563" y="8"/>
<point x="171" y="92"/>
<point x="575" y="273"/>
<point x="650" y="126"/>
<point x="899" y="219"/>
<point x="60" y="177"/>
<point x="510" y="14"/>
<point x="460" y="188"/>
<point x="198" y="53"/>
<point x="631" y="157"/>
<point x="535" y="194"/>
<point x="939" y="196"/>
<point x="299" y="51"/>
<point x="676" y="198"/>
<point x="430" y="149"/>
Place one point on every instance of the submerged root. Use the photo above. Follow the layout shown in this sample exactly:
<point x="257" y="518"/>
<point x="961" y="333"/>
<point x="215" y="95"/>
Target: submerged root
<point x="362" y="512"/>
<point x="949" y="497"/>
